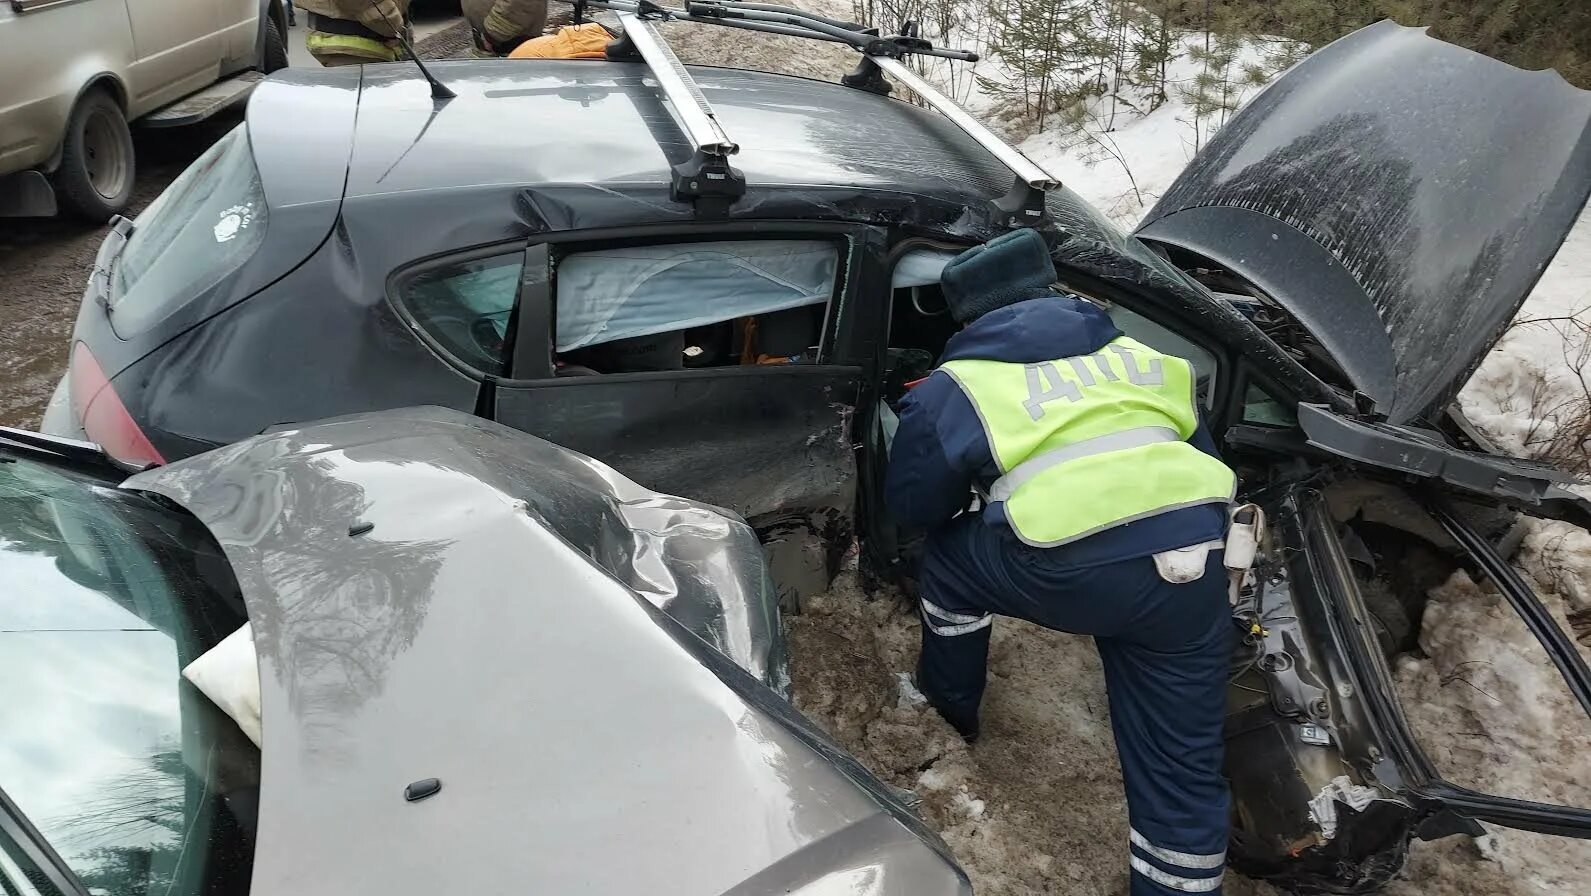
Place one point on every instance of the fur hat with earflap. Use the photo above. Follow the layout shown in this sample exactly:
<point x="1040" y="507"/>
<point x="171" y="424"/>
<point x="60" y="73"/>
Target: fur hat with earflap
<point x="1010" y="268"/>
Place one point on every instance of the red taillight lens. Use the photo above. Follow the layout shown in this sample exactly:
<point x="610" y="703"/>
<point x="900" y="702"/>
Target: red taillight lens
<point x="104" y="417"/>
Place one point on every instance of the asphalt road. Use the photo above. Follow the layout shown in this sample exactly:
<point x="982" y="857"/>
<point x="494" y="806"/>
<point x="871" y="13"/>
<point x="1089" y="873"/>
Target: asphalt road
<point x="44" y="262"/>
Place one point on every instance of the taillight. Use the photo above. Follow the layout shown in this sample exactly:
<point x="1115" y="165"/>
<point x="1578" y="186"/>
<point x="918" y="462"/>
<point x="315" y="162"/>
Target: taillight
<point x="105" y="419"/>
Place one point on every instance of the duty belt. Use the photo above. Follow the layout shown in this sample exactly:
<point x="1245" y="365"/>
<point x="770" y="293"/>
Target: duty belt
<point x="344" y="27"/>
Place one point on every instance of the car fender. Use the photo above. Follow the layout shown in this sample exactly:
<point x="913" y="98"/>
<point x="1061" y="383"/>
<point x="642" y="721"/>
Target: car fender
<point x="61" y="77"/>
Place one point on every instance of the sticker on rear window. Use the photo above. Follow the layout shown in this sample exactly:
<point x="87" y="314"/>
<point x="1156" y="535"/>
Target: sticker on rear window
<point x="233" y="221"/>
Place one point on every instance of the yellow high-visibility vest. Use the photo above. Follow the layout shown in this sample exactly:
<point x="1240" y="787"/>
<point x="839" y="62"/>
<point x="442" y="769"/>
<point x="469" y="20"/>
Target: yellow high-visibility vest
<point x="1091" y="442"/>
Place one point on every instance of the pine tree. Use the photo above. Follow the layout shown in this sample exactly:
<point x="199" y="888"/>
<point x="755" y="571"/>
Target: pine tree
<point x="1154" y="47"/>
<point x="1046" y="49"/>
<point x="1212" y="94"/>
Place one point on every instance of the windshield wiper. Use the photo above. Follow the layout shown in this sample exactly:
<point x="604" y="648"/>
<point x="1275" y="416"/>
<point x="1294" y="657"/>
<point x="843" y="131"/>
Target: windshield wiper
<point x="110" y="252"/>
<point x="35" y="850"/>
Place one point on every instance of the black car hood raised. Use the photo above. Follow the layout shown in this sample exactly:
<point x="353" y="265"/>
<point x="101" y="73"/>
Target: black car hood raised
<point x="1397" y="194"/>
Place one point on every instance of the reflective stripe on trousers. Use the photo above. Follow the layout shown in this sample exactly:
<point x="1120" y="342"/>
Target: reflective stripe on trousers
<point x="1024" y="472"/>
<point x="943" y="622"/>
<point x="1181" y="861"/>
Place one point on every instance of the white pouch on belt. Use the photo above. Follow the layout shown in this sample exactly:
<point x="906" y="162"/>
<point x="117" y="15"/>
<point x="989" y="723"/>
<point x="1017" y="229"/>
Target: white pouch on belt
<point x="1183" y="565"/>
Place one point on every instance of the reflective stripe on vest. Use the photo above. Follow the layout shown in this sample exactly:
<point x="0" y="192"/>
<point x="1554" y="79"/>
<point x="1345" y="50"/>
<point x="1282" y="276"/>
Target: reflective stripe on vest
<point x="1091" y="442"/>
<point x="321" y="43"/>
<point x="1025" y="471"/>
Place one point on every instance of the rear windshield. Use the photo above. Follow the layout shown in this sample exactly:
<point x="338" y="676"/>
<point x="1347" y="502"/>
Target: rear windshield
<point x="125" y="770"/>
<point x="204" y="226"/>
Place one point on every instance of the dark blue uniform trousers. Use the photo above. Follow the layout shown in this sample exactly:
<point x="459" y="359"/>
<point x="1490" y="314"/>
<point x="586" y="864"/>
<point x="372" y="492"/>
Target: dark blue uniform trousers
<point x="1165" y="648"/>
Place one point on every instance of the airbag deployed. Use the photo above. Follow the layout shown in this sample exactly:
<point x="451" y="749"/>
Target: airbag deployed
<point x="642" y="290"/>
<point x="229" y="674"/>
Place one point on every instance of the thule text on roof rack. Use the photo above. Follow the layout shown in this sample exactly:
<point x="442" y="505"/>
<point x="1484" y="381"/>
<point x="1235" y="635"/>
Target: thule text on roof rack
<point x="707" y="178"/>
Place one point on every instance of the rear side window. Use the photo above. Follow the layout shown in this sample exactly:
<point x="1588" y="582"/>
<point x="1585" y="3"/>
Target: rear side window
<point x="204" y="226"/>
<point x="639" y="308"/>
<point x="464" y="307"/>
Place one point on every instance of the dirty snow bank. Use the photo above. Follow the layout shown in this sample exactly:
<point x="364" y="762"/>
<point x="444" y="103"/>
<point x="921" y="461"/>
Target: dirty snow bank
<point x="1529" y="389"/>
<point x="1494" y="715"/>
<point x="1036" y="806"/>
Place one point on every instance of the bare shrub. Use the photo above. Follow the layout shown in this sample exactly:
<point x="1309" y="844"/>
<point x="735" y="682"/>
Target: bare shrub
<point x="1558" y="401"/>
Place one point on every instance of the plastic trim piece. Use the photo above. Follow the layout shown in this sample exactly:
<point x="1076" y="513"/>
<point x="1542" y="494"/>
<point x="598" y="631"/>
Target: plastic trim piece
<point x="1528" y="485"/>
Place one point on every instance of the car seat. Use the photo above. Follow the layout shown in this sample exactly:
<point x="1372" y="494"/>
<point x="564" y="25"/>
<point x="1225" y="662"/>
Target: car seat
<point x="785" y="336"/>
<point x="636" y="354"/>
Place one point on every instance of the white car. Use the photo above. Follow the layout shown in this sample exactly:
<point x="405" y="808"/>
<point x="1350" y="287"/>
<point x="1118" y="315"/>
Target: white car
<point x="75" y="73"/>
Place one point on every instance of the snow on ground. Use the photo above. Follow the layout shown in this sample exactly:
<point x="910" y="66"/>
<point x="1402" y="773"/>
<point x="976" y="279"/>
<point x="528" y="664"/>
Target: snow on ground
<point x="1036" y="805"/>
<point x="1493" y="714"/>
<point x="1124" y="169"/>
<point x="1526" y="392"/>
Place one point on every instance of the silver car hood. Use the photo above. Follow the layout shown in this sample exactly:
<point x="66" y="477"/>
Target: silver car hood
<point x="437" y="596"/>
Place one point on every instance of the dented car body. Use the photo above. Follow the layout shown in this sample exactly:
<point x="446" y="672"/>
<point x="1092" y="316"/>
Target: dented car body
<point x="1331" y="275"/>
<point x="576" y="661"/>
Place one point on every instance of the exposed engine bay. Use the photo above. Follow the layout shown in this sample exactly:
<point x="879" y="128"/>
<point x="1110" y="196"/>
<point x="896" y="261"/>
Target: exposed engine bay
<point x="1329" y="786"/>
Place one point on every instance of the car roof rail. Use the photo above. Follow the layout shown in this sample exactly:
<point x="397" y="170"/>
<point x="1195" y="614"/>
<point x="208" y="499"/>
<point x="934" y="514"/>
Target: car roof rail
<point x="707" y="178"/>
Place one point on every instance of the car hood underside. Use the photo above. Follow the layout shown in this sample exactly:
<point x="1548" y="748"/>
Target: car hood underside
<point x="1399" y="195"/>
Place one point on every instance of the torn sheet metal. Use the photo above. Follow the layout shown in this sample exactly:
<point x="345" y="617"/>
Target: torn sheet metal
<point x="1323" y="808"/>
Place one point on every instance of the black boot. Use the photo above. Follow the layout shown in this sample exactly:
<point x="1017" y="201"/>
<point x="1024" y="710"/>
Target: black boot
<point x="965" y="721"/>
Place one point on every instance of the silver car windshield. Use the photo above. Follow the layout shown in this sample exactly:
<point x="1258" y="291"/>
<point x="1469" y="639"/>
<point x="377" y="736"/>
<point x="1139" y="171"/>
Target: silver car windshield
<point x="125" y="770"/>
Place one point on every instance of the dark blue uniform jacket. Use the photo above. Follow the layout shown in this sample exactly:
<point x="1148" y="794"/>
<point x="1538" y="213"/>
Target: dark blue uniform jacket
<point x="940" y="450"/>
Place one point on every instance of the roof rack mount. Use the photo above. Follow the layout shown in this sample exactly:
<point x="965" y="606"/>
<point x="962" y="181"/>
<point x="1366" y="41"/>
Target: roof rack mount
<point x="706" y="178"/>
<point x="708" y="175"/>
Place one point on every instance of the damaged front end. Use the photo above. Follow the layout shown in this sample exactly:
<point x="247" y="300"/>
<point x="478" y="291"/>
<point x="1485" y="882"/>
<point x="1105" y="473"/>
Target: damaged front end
<point x="1329" y="781"/>
<point x="553" y="647"/>
<point x="1317" y="801"/>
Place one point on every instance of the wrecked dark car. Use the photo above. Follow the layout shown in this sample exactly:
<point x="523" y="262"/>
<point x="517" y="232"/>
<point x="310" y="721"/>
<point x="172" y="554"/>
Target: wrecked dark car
<point x="565" y="248"/>
<point x="466" y="642"/>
